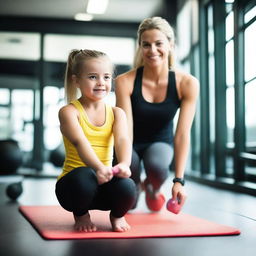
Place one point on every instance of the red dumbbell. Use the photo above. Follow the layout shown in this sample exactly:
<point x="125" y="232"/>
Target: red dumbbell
<point x="115" y="170"/>
<point x="173" y="206"/>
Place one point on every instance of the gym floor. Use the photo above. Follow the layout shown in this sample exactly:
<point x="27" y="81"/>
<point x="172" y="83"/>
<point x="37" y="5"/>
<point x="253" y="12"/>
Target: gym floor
<point x="18" y="237"/>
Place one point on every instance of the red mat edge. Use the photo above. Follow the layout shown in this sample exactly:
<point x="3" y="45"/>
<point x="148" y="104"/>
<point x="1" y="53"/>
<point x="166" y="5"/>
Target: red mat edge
<point x="31" y="223"/>
<point x="45" y="236"/>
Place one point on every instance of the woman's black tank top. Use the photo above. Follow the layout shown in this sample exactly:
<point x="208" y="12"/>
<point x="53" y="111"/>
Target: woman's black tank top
<point x="153" y="122"/>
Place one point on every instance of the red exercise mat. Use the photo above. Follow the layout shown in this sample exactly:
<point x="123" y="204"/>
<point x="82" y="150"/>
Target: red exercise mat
<point x="53" y="222"/>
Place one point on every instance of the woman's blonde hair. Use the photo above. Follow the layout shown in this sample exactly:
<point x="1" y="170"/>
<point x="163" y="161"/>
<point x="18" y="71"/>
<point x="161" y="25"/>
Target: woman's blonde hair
<point x="154" y="23"/>
<point x="76" y="60"/>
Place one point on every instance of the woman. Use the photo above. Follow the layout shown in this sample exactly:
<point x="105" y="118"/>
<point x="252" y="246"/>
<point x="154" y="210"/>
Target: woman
<point x="150" y="94"/>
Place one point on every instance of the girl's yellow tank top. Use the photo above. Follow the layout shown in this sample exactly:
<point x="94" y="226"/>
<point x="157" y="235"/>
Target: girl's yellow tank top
<point x="100" y="138"/>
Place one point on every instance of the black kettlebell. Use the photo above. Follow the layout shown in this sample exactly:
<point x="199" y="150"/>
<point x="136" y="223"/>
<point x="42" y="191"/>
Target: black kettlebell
<point x="14" y="190"/>
<point x="10" y="156"/>
<point x="57" y="156"/>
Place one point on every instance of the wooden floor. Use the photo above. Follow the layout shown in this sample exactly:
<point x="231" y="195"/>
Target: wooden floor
<point x="18" y="237"/>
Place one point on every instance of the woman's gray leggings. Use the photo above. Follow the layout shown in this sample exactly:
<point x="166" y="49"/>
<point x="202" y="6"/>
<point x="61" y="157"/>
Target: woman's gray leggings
<point x="156" y="158"/>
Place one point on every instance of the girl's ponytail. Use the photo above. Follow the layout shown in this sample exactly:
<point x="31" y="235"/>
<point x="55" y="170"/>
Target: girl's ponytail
<point x="70" y="89"/>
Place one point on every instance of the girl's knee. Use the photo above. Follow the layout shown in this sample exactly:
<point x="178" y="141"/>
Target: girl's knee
<point x="85" y="181"/>
<point x="126" y="187"/>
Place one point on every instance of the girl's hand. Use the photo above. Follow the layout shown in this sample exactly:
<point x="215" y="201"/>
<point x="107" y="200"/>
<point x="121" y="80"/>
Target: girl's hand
<point x="104" y="174"/>
<point x="178" y="193"/>
<point x="123" y="170"/>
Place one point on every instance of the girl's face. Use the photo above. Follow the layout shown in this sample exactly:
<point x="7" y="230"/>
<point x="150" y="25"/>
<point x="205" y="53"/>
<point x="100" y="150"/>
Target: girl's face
<point x="155" y="47"/>
<point x="95" y="79"/>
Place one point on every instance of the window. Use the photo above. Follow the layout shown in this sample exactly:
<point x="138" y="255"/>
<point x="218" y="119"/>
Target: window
<point x="21" y="118"/>
<point x="230" y="82"/>
<point x="250" y="92"/>
<point x="20" y="46"/>
<point x="19" y="53"/>
<point x="211" y="83"/>
<point x="52" y="134"/>
<point x="120" y="50"/>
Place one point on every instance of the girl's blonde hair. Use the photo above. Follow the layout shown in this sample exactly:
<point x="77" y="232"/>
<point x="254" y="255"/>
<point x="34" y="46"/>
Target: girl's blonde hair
<point x="76" y="60"/>
<point x="154" y="23"/>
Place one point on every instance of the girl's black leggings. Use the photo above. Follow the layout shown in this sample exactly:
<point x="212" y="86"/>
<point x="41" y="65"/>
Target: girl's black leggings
<point x="79" y="191"/>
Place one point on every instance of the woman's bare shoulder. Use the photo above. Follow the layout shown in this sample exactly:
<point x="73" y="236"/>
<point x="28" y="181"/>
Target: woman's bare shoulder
<point x="182" y="76"/>
<point x="124" y="82"/>
<point x="186" y="83"/>
<point x="129" y="75"/>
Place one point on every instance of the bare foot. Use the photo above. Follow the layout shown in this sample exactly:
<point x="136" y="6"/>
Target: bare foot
<point x="119" y="224"/>
<point x="83" y="223"/>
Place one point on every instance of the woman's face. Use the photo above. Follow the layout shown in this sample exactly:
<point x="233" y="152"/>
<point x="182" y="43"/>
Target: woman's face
<point x="155" y="47"/>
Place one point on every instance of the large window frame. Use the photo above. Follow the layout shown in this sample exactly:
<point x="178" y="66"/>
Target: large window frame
<point x="223" y="164"/>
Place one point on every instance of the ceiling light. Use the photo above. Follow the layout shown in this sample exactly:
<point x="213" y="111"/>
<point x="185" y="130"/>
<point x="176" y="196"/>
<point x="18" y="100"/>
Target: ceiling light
<point x="97" y="6"/>
<point x="83" y="17"/>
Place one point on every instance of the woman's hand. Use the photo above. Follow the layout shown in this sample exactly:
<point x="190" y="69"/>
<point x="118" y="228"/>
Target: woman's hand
<point x="104" y="174"/>
<point x="178" y="193"/>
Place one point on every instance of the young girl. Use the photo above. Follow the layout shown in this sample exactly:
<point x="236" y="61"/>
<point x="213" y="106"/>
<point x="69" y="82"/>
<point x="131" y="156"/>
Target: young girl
<point x="90" y="130"/>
